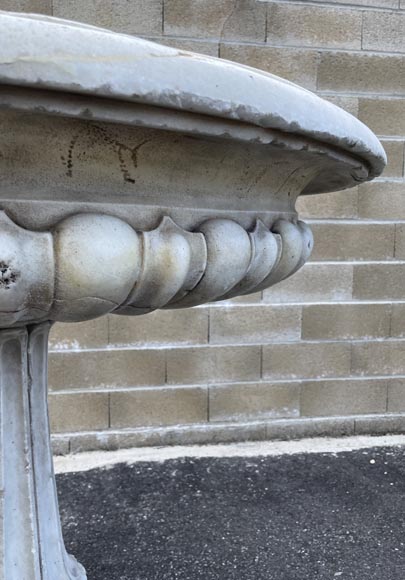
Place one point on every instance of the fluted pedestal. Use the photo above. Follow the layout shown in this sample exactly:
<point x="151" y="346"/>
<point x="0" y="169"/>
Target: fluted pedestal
<point x="31" y="545"/>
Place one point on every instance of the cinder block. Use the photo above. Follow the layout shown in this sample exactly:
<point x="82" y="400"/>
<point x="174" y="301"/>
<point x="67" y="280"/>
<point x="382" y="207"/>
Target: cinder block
<point x="395" y="155"/>
<point x="106" y="369"/>
<point x="253" y="402"/>
<point x="348" y="397"/>
<point x="314" y="427"/>
<point x="213" y="364"/>
<point x="368" y="3"/>
<point x="396" y="396"/>
<point x="78" y="412"/>
<point x="229" y="19"/>
<point x="158" y="407"/>
<point x="384" y="116"/>
<point x="384" y="200"/>
<point x="379" y="358"/>
<point x="316" y="26"/>
<point x="385" y="32"/>
<point x="379" y="281"/>
<point x="257" y="324"/>
<point x="314" y="283"/>
<point x="398" y="320"/>
<point x="352" y="241"/>
<point x="345" y="321"/>
<point x="201" y="46"/>
<point x="298" y="66"/>
<point x="188" y="326"/>
<point x="35" y="6"/>
<point x="306" y="360"/>
<point x="400" y="241"/>
<point x="338" y="204"/>
<point x="379" y="424"/>
<point x="89" y="334"/>
<point x="361" y="72"/>
<point x="135" y="17"/>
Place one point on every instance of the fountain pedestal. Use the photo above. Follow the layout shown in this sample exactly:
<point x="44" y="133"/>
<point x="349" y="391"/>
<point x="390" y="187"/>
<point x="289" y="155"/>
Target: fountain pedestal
<point x="135" y="177"/>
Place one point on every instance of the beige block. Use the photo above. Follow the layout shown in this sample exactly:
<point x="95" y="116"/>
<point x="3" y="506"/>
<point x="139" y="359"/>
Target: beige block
<point x="134" y="17"/>
<point x="254" y="402"/>
<point x="338" y="204"/>
<point x="396" y="396"/>
<point x="89" y="334"/>
<point x="78" y="412"/>
<point x="298" y="66"/>
<point x="161" y="327"/>
<point x="106" y="369"/>
<point x="398" y="320"/>
<point x="306" y="360"/>
<point x="212" y="364"/>
<point x="227" y="19"/>
<point x="385" y="32"/>
<point x="400" y="241"/>
<point x="317" y="26"/>
<point x="260" y="324"/>
<point x="349" y="397"/>
<point x="314" y="283"/>
<point x="369" y="3"/>
<point x="352" y="241"/>
<point x="379" y="281"/>
<point x="383" y="116"/>
<point x="395" y="155"/>
<point x="379" y="358"/>
<point x="342" y="321"/>
<point x="349" y="104"/>
<point x="384" y="200"/>
<point x="200" y="46"/>
<point x="379" y="424"/>
<point x="36" y="6"/>
<point x="361" y="72"/>
<point x="158" y="407"/>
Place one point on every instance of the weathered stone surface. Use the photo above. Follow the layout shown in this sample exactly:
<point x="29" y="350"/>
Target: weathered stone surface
<point x="260" y="324"/>
<point x="315" y="26"/>
<point x="228" y="19"/>
<point x="343" y="397"/>
<point x="384" y="358"/>
<point x="253" y="401"/>
<point x="79" y="412"/>
<point x="314" y="283"/>
<point x="344" y="321"/>
<point x="138" y="17"/>
<point x="158" y="407"/>
<point x="213" y="364"/>
<point x="340" y="204"/>
<point x="352" y="241"/>
<point x="385" y="33"/>
<point x="114" y="368"/>
<point x="355" y="72"/>
<point x="378" y="281"/>
<point x="295" y="65"/>
<point x="306" y="359"/>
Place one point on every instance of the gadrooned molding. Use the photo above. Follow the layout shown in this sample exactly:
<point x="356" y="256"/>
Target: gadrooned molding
<point x="93" y="264"/>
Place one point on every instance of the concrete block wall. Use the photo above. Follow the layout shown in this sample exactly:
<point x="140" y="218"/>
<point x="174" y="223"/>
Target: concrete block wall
<point x="323" y="352"/>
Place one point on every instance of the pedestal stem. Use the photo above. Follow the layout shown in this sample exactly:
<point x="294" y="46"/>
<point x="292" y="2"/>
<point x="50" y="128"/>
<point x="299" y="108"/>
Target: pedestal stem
<point x="31" y="543"/>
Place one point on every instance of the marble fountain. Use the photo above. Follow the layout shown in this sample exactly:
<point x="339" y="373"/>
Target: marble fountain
<point x="135" y="177"/>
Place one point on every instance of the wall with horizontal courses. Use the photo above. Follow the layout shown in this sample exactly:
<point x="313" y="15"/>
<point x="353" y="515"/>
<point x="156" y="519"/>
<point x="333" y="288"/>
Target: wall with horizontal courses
<point x="323" y="352"/>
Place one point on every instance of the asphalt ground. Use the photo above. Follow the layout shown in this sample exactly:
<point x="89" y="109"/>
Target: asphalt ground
<point x="290" y="517"/>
